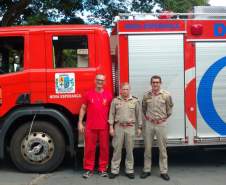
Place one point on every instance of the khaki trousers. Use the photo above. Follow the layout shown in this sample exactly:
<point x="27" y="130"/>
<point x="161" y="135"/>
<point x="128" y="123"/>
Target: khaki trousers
<point x="123" y="136"/>
<point x="158" y="130"/>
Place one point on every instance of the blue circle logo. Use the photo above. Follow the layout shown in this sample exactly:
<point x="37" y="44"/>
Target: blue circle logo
<point x="205" y="101"/>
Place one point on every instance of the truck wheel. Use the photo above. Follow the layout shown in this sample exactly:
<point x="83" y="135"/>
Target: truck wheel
<point x="41" y="151"/>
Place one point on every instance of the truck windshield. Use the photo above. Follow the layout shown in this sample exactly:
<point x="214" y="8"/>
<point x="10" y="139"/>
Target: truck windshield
<point x="11" y="54"/>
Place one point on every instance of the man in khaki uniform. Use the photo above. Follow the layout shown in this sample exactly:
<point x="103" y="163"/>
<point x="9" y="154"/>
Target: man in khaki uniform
<point x="157" y="107"/>
<point x="125" y="113"/>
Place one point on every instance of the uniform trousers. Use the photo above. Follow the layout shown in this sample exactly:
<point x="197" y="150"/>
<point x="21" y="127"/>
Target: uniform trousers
<point x="92" y="136"/>
<point x="123" y="136"/>
<point x="158" y="130"/>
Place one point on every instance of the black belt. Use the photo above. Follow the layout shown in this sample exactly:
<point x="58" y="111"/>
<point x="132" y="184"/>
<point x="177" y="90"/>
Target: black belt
<point x="126" y="124"/>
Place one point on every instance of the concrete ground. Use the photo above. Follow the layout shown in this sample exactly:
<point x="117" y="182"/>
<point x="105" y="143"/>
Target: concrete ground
<point x="186" y="167"/>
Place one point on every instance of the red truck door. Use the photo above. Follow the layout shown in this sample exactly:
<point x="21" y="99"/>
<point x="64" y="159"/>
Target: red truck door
<point x="70" y="66"/>
<point x="14" y="77"/>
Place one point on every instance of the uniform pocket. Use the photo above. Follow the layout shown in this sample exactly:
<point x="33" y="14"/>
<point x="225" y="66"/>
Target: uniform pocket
<point x="131" y="105"/>
<point x="118" y="105"/>
<point x="162" y="102"/>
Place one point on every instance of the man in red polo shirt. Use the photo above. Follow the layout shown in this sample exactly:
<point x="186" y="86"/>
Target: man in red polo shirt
<point x="96" y="105"/>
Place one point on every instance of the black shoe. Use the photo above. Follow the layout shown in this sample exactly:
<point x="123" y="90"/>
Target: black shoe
<point x="144" y="175"/>
<point x="130" y="175"/>
<point x="165" y="176"/>
<point x="112" y="175"/>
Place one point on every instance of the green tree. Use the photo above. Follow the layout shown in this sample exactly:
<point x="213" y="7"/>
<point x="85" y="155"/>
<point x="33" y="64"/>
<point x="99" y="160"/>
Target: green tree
<point x="17" y="12"/>
<point x="182" y="6"/>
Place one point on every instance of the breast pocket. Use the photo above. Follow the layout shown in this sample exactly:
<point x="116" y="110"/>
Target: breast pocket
<point x="118" y="106"/>
<point x="149" y="101"/>
<point x="149" y="104"/>
<point x="131" y="105"/>
<point x="162" y="102"/>
<point x="132" y="109"/>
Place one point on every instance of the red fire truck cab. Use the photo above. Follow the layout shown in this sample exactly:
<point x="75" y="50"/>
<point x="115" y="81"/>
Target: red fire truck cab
<point x="44" y="71"/>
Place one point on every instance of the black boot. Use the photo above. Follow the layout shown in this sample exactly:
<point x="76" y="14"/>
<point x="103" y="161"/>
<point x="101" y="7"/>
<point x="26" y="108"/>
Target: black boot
<point x="165" y="176"/>
<point x="144" y="175"/>
<point x="130" y="175"/>
<point x="112" y="175"/>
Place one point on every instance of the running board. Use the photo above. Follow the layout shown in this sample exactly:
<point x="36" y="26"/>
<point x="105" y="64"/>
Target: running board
<point x="209" y="140"/>
<point x="139" y="142"/>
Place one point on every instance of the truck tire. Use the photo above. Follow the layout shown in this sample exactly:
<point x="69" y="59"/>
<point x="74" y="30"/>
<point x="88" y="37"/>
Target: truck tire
<point x="42" y="151"/>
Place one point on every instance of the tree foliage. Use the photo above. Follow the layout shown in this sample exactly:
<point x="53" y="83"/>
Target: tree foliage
<point x="33" y="12"/>
<point x="17" y="12"/>
<point x="181" y="6"/>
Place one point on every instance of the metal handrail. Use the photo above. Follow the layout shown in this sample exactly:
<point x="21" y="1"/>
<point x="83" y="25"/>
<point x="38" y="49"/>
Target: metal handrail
<point x="123" y="15"/>
<point x="172" y="13"/>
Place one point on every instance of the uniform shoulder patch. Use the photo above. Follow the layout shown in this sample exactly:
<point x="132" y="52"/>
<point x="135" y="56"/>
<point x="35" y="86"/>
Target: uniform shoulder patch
<point x="147" y="92"/>
<point x="118" y="98"/>
<point x="147" y="95"/>
<point x="165" y="92"/>
<point x="135" y="99"/>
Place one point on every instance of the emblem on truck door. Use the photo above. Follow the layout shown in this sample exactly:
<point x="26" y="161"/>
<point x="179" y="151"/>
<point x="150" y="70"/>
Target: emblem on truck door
<point x="65" y="83"/>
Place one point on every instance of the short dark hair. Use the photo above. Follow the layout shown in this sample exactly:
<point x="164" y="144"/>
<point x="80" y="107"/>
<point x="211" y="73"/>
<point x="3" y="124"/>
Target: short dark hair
<point x="156" y="77"/>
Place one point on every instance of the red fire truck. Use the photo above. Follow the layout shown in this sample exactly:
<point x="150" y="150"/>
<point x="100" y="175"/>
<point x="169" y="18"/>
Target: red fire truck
<point x="45" y="70"/>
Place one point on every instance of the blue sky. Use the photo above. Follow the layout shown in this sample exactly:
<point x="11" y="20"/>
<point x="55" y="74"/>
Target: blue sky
<point x="217" y="2"/>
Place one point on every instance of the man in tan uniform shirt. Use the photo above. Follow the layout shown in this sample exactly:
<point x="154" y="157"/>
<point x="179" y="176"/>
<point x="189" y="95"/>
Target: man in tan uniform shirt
<point x="125" y="112"/>
<point x="157" y="107"/>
